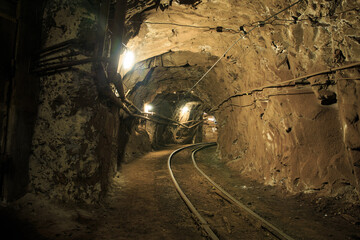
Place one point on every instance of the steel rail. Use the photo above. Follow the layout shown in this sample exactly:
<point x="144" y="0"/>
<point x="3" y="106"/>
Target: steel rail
<point x="274" y="230"/>
<point x="202" y="222"/>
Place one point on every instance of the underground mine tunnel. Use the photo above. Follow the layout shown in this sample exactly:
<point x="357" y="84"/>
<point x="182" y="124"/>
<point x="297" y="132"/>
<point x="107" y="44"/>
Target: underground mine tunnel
<point x="96" y="94"/>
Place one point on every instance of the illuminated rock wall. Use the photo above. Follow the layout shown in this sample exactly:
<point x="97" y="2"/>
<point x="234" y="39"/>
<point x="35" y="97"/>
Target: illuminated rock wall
<point x="303" y="138"/>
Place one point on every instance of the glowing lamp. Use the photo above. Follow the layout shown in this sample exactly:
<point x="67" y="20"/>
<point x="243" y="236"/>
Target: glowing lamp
<point x="129" y="59"/>
<point x="147" y="108"/>
<point x="185" y="109"/>
<point x="211" y="119"/>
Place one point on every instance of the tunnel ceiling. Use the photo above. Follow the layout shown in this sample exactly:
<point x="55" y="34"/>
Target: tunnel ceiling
<point x="160" y="32"/>
<point x="303" y="136"/>
<point x="171" y="73"/>
<point x="294" y="136"/>
<point x="287" y="47"/>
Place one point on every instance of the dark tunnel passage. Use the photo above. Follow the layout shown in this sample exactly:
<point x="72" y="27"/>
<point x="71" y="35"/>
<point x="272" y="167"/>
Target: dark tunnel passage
<point x="94" y="94"/>
<point x="161" y="90"/>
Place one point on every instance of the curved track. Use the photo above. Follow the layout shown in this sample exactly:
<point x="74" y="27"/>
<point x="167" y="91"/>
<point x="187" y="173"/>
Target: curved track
<point x="209" y="227"/>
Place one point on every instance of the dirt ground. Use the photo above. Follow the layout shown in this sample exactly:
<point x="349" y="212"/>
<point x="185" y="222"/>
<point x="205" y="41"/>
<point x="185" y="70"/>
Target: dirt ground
<point x="225" y="219"/>
<point x="143" y="204"/>
<point x="302" y="216"/>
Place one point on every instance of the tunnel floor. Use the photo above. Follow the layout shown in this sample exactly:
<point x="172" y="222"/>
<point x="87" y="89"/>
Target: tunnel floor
<point x="143" y="204"/>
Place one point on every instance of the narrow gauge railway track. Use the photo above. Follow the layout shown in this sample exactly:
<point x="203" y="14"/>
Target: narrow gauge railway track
<point x="219" y="215"/>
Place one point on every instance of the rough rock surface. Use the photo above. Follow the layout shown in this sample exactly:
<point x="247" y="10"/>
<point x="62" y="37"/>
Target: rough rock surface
<point x="76" y="133"/>
<point x="162" y="81"/>
<point x="303" y="138"/>
<point x="143" y="204"/>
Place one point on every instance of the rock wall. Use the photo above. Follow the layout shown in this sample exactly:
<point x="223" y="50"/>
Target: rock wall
<point x="298" y="137"/>
<point x="75" y="144"/>
<point x="304" y="137"/>
<point x="162" y="82"/>
<point x="138" y="143"/>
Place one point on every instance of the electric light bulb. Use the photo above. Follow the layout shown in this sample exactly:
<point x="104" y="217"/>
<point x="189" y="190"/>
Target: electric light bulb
<point x="185" y="109"/>
<point x="147" y="108"/>
<point x="129" y="59"/>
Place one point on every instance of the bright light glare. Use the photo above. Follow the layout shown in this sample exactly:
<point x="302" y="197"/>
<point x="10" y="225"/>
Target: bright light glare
<point x="147" y="108"/>
<point x="211" y="119"/>
<point x="185" y="109"/>
<point x="128" y="59"/>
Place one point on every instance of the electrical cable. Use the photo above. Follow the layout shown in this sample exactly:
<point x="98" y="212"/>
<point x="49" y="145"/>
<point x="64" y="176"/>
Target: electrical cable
<point x="261" y="23"/>
<point x="180" y="25"/>
<point x="217" y="28"/>
<point x="258" y="24"/>
<point x="151" y="116"/>
<point x="272" y="16"/>
<point x="280" y="84"/>
<point x="223" y="55"/>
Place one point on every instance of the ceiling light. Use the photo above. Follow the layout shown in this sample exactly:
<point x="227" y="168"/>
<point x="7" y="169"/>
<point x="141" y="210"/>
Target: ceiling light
<point x="129" y="59"/>
<point x="185" y="109"/>
<point x="148" y="108"/>
<point x="212" y="119"/>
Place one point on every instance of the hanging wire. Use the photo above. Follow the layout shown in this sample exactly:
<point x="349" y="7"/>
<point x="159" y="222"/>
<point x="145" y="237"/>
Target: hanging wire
<point x="288" y="83"/>
<point x="260" y="24"/>
<point x="217" y="28"/>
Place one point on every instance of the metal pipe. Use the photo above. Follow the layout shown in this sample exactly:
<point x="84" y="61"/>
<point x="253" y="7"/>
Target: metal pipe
<point x="56" y="66"/>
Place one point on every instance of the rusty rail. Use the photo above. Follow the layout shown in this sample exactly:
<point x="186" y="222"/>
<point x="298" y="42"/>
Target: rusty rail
<point x="270" y="227"/>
